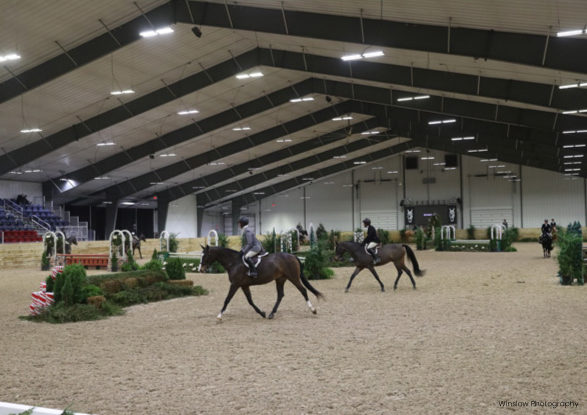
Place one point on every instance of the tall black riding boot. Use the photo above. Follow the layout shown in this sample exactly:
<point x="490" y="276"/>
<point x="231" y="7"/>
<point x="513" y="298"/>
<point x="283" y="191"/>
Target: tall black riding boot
<point x="376" y="260"/>
<point x="252" y="269"/>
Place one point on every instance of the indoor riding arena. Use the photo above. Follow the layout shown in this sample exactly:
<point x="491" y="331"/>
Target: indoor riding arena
<point x="409" y="174"/>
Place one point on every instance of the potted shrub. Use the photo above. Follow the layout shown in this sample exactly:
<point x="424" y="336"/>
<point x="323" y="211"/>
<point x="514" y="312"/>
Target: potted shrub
<point x="45" y="263"/>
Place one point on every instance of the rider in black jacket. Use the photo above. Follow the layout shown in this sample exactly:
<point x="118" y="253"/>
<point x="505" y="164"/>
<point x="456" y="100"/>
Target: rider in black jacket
<point x="372" y="240"/>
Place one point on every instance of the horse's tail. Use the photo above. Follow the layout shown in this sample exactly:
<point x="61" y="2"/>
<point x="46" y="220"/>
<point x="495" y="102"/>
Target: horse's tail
<point x="306" y="283"/>
<point x="412" y="256"/>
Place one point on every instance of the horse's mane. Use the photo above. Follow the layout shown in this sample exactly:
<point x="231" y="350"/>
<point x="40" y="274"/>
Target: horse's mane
<point x="226" y="249"/>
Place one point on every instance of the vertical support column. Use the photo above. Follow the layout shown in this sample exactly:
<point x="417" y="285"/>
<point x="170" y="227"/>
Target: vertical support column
<point x="353" y="199"/>
<point x="162" y="207"/>
<point x="236" y="211"/>
<point x="521" y="199"/>
<point x="199" y="220"/>
<point x="48" y="188"/>
<point x="304" y="204"/>
<point x="111" y="216"/>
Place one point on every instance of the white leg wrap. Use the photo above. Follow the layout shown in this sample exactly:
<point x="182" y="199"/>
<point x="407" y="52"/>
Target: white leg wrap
<point x="310" y="306"/>
<point x="219" y="316"/>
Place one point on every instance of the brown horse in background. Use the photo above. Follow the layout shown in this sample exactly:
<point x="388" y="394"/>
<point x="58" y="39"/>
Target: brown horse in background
<point x="387" y="253"/>
<point x="278" y="267"/>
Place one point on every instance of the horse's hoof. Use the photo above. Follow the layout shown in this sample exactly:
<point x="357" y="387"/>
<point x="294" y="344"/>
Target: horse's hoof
<point x="314" y="311"/>
<point x="414" y="288"/>
<point x="263" y="314"/>
<point x="394" y="288"/>
<point x="346" y="290"/>
<point x="271" y="316"/>
<point x="382" y="289"/>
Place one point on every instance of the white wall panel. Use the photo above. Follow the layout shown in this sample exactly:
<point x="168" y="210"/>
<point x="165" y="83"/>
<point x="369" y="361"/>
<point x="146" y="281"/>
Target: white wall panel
<point x="487" y="198"/>
<point x="330" y="204"/>
<point x="282" y="211"/>
<point x="551" y="195"/>
<point x="181" y="217"/>
<point x="10" y="189"/>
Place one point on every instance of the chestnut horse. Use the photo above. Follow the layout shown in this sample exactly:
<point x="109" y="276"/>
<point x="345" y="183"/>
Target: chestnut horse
<point x="278" y="267"/>
<point x="388" y="253"/>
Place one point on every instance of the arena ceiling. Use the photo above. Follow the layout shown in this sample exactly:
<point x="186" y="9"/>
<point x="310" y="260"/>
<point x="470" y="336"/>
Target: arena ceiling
<point x="492" y="70"/>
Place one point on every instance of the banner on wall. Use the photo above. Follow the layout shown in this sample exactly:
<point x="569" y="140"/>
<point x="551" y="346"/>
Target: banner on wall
<point x="410" y="216"/>
<point x="452" y="214"/>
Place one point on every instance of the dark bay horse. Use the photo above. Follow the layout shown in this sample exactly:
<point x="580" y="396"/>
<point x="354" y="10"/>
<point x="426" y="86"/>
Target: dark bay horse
<point x="136" y="244"/>
<point x="274" y="267"/>
<point x="546" y="242"/>
<point x="388" y="253"/>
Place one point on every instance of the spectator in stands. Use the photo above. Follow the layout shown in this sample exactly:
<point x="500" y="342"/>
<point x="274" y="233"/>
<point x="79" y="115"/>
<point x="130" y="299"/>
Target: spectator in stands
<point x="505" y="224"/>
<point x="22" y="200"/>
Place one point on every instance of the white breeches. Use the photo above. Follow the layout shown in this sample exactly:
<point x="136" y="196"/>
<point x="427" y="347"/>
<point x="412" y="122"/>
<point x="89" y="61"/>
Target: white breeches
<point x="250" y="254"/>
<point x="371" y="245"/>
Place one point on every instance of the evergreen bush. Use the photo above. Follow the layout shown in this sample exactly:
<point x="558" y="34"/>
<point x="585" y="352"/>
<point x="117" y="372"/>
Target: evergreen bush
<point x="69" y="285"/>
<point x="570" y="256"/>
<point x="383" y="236"/>
<point x="321" y="232"/>
<point x="173" y="242"/>
<point x="155" y="254"/>
<point x="91" y="290"/>
<point x="271" y="243"/>
<point x="222" y="240"/>
<point x="174" y="269"/>
<point x="45" y="263"/>
<point x="471" y="232"/>
<point x="50" y="283"/>
<point x="315" y="265"/>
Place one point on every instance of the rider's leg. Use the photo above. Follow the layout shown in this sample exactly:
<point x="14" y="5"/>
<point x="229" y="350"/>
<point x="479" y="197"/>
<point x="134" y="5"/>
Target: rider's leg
<point x="371" y="250"/>
<point x="249" y="258"/>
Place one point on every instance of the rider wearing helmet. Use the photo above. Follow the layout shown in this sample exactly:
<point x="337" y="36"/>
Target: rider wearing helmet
<point x="372" y="240"/>
<point x="251" y="246"/>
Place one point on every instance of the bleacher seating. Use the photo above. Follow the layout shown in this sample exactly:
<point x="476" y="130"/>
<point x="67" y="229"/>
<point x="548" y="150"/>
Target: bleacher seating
<point x="21" y="236"/>
<point x="16" y="231"/>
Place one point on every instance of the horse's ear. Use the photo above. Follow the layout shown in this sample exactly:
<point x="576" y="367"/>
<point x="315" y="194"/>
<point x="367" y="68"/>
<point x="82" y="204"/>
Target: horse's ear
<point x="203" y="247"/>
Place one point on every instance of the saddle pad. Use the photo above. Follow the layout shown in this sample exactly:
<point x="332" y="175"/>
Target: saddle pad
<point x="376" y="250"/>
<point x="258" y="257"/>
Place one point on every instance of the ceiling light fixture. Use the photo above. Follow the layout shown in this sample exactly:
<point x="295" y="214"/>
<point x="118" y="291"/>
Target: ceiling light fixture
<point x="449" y="121"/>
<point x="106" y="143"/>
<point x="284" y="140"/>
<point x="576" y="32"/>
<point x="31" y="130"/>
<point x="186" y="112"/>
<point x="463" y="138"/>
<point x="306" y="99"/>
<point x="418" y="97"/>
<point x="167" y="155"/>
<point x="128" y="203"/>
<point x="427" y="158"/>
<point x="241" y="128"/>
<point x="156" y="32"/>
<point x="574" y="131"/>
<point x="370" y="132"/>
<point x="574" y="145"/>
<point x="102" y="178"/>
<point x="366" y="55"/>
<point x="343" y="118"/>
<point x="9" y="57"/>
<point x="359" y="162"/>
<point x="249" y="75"/>
<point x="392" y="172"/>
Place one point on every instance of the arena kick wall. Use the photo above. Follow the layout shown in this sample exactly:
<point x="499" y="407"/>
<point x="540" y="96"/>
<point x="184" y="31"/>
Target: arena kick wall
<point x="341" y="201"/>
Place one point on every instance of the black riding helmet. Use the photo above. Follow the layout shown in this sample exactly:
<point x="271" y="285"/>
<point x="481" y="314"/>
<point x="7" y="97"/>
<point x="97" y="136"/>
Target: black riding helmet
<point x="366" y="221"/>
<point x="243" y="221"/>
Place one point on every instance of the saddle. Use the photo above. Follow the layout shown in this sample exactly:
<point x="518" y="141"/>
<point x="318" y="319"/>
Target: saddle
<point x="376" y="249"/>
<point x="258" y="258"/>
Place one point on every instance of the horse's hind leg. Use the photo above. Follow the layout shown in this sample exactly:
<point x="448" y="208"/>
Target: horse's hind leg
<point x="229" y="296"/>
<point x="348" y="287"/>
<point x="377" y="277"/>
<point x="409" y="275"/>
<point x="279" y="284"/>
<point x="399" y="274"/>
<point x="140" y="253"/>
<point x="247" y="292"/>
<point x="304" y="292"/>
